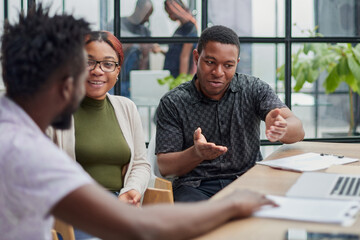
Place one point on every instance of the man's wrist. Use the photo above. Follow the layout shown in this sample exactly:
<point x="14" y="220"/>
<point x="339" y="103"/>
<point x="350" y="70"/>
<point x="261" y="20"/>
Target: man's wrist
<point x="196" y="155"/>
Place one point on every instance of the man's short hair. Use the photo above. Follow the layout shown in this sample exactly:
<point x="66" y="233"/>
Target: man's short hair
<point x="38" y="47"/>
<point x="218" y="33"/>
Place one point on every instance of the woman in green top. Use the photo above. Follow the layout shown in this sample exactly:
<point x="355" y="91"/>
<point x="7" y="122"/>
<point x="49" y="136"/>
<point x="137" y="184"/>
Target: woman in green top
<point x="106" y="137"/>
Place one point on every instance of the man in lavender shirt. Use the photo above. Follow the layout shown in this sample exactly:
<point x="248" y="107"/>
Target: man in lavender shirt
<point x="44" y="71"/>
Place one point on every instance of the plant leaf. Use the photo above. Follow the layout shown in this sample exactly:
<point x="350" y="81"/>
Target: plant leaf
<point x="281" y="72"/>
<point x="332" y="81"/>
<point x="354" y="67"/>
<point x="343" y="68"/>
<point x="300" y="76"/>
<point x="351" y="81"/>
<point x="356" y="53"/>
<point x="313" y="75"/>
<point x="307" y="47"/>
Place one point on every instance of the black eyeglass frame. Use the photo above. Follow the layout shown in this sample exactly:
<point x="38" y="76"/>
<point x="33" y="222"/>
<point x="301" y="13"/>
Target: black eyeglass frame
<point x="100" y="63"/>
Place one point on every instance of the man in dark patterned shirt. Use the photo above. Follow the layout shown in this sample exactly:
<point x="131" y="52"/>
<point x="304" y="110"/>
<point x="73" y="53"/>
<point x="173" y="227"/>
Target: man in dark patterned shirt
<point x="208" y="129"/>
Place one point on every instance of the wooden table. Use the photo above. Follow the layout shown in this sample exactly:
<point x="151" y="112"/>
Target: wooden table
<point x="276" y="182"/>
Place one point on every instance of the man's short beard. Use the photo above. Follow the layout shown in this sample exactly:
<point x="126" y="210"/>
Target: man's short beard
<point x="63" y="121"/>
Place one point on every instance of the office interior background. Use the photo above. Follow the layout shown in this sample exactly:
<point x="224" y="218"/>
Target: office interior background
<point x="279" y="39"/>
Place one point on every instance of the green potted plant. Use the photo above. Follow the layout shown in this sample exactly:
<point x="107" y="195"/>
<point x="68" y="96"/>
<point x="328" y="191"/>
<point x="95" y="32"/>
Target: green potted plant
<point x="340" y="62"/>
<point x="174" y="82"/>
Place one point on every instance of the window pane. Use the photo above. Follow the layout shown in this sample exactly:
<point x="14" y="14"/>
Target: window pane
<point x="136" y="57"/>
<point x="140" y="83"/>
<point x="249" y="18"/>
<point x="263" y="61"/>
<point x="56" y="6"/>
<point x="325" y="68"/>
<point x="143" y="56"/>
<point x="98" y="13"/>
<point x="139" y="80"/>
<point x="138" y="19"/>
<point x="14" y="7"/>
<point x="336" y="18"/>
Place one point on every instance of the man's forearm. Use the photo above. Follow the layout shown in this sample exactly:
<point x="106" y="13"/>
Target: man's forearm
<point x="186" y="221"/>
<point x="178" y="163"/>
<point x="295" y="131"/>
<point x="97" y="212"/>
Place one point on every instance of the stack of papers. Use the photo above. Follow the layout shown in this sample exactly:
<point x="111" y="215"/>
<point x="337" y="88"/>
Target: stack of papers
<point x="313" y="210"/>
<point x="307" y="162"/>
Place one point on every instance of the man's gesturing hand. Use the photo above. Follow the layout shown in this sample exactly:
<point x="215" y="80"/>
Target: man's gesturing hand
<point x="204" y="149"/>
<point x="276" y="125"/>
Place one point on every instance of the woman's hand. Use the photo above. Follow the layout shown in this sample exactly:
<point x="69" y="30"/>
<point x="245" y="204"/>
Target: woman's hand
<point x="132" y="197"/>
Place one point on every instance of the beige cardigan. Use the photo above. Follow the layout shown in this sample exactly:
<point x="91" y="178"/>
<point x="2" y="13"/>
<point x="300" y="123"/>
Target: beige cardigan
<point x="138" y="173"/>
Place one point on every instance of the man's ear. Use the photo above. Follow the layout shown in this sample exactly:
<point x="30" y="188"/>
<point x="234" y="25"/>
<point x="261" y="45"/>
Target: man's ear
<point x="67" y="88"/>
<point x="196" y="56"/>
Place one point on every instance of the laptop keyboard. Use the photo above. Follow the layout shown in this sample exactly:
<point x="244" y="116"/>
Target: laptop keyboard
<point x="346" y="186"/>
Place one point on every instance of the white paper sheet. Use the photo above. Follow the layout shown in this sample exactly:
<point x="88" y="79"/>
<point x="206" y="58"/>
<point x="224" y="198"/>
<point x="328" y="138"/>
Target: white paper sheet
<point x="307" y="162"/>
<point x="313" y="210"/>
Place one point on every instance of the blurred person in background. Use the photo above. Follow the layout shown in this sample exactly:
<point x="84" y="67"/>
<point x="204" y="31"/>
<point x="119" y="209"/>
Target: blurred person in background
<point x="178" y="57"/>
<point x="136" y="55"/>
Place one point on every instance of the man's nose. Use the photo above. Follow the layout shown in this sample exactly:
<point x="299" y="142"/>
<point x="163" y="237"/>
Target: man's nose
<point x="218" y="70"/>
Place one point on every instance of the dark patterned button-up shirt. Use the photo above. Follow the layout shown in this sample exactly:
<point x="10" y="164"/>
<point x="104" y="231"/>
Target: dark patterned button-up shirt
<point x="233" y="121"/>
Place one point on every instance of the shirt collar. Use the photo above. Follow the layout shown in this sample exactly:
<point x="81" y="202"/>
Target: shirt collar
<point x="12" y="112"/>
<point x="233" y="87"/>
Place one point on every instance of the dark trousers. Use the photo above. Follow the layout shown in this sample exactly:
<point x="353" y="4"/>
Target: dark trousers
<point x="206" y="190"/>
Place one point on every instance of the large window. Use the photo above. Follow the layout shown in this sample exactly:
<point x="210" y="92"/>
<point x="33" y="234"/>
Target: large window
<point x="287" y="43"/>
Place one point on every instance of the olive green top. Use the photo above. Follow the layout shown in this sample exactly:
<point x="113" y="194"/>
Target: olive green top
<point x="100" y="146"/>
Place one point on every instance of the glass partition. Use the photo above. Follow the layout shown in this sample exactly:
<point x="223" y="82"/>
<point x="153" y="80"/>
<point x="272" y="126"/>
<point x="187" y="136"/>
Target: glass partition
<point x="156" y="19"/>
<point x="335" y="18"/>
<point x="249" y="18"/>
<point x="324" y="78"/>
<point x="149" y="30"/>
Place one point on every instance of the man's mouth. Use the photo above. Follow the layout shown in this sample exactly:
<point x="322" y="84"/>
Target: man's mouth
<point x="215" y="83"/>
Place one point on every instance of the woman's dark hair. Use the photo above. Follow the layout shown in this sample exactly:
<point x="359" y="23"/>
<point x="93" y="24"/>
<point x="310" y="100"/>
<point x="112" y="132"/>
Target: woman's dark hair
<point x="180" y="10"/>
<point x="109" y="38"/>
<point x="219" y="34"/>
<point x="40" y="46"/>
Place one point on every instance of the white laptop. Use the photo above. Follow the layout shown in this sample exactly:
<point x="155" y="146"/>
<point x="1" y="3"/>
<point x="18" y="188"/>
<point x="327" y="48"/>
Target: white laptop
<point x="326" y="185"/>
<point x="144" y="87"/>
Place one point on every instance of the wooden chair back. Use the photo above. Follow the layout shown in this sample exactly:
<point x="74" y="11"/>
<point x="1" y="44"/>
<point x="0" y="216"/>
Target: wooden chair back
<point x="64" y="229"/>
<point x="161" y="193"/>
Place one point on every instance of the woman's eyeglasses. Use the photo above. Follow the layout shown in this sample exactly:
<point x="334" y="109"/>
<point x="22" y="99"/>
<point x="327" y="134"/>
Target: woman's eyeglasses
<point x="105" y="66"/>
